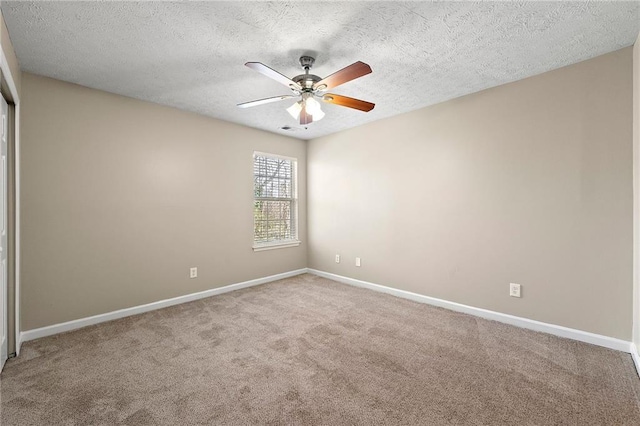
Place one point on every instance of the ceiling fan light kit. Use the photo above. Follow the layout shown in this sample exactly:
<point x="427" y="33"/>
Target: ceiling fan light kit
<point x="307" y="87"/>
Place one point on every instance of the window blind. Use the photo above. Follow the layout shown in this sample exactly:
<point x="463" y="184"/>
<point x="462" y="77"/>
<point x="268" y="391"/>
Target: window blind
<point x="274" y="207"/>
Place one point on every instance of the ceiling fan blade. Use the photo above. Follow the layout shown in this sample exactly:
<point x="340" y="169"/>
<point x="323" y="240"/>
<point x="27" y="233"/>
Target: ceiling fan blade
<point x="353" y="71"/>
<point x="348" y="102"/>
<point x="264" y="101"/>
<point x="273" y="74"/>
<point x="304" y="117"/>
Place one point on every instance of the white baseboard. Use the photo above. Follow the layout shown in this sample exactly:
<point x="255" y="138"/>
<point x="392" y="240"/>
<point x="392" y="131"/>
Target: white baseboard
<point x="636" y="357"/>
<point x="50" y="330"/>
<point x="557" y="330"/>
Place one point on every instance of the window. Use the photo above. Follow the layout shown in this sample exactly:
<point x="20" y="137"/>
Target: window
<point x="275" y="204"/>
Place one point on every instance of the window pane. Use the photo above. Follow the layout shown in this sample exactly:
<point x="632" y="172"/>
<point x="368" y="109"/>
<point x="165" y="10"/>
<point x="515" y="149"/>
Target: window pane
<point x="259" y="231"/>
<point x="276" y="210"/>
<point x="273" y="221"/>
<point x="273" y="177"/>
<point x="274" y="203"/>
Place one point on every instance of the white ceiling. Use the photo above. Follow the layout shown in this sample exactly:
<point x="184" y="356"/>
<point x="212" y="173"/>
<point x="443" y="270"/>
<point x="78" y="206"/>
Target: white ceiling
<point x="190" y="55"/>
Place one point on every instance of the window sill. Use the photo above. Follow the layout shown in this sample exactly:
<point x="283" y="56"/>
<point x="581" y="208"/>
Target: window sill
<point x="274" y="246"/>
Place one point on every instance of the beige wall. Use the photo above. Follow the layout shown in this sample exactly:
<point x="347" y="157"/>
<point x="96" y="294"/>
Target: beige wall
<point x="530" y="182"/>
<point x="7" y="49"/>
<point x="120" y="197"/>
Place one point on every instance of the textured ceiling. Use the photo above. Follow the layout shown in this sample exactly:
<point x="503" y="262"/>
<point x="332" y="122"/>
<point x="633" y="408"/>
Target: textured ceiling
<point x="190" y="55"/>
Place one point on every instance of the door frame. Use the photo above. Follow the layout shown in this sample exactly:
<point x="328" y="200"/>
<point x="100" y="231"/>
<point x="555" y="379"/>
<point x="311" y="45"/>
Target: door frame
<point x="4" y="221"/>
<point x="10" y="79"/>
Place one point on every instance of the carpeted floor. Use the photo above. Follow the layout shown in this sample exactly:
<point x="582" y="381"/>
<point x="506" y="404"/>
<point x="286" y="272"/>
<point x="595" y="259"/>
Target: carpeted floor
<point x="307" y="350"/>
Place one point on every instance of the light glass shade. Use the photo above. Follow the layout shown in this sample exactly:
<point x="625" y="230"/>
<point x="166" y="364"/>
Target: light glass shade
<point x="313" y="106"/>
<point x="295" y="109"/>
<point x="318" y="115"/>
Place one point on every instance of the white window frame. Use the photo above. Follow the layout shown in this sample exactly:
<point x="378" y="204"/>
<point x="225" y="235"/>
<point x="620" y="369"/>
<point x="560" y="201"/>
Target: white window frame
<point x="294" y="242"/>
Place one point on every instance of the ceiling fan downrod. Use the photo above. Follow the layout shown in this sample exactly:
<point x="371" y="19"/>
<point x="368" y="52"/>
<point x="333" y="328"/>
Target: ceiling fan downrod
<point x="306" y="80"/>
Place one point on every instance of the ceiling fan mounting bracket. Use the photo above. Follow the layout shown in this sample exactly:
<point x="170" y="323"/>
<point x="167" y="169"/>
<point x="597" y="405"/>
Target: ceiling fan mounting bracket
<point x="307" y="62"/>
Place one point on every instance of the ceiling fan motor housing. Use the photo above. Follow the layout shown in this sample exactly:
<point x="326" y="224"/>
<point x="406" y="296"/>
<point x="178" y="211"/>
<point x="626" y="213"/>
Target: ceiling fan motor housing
<point x="306" y="81"/>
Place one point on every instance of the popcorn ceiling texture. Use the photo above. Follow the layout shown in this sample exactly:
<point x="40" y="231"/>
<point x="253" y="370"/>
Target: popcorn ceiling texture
<point x="190" y="55"/>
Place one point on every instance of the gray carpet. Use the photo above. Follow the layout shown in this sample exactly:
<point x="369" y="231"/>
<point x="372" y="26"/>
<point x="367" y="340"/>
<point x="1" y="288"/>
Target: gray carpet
<point x="307" y="350"/>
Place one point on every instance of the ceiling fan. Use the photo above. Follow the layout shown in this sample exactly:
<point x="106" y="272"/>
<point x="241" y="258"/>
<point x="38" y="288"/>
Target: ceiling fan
<point x="308" y="87"/>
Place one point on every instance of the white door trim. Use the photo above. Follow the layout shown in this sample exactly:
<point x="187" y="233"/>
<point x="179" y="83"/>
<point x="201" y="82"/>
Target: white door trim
<point x="636" y="203"/>
<point x="4" y="285"/>
<point x="9" y="78"/>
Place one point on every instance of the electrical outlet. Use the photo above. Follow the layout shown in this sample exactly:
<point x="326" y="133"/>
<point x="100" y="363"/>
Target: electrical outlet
<point x="193" y="273"/>
<point x="514" y="290"/>
<point x="337" y="258"/>
<point x="357" y="261"/>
